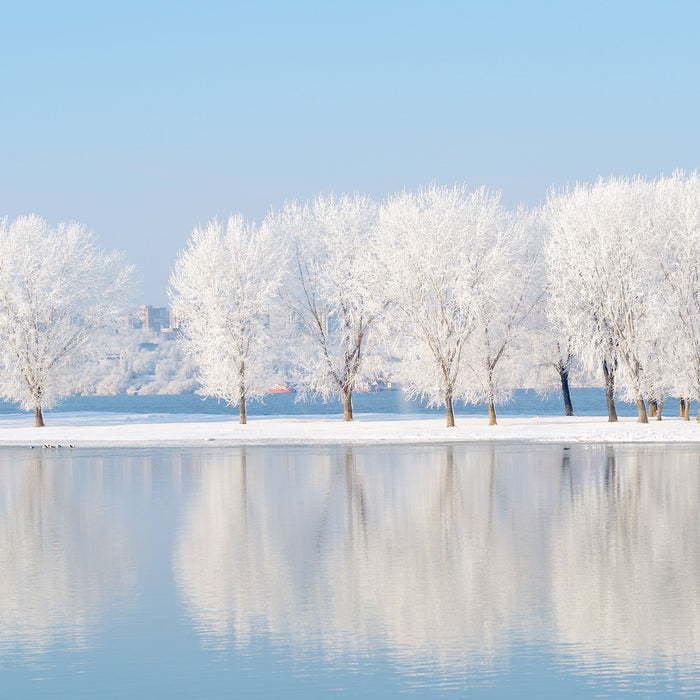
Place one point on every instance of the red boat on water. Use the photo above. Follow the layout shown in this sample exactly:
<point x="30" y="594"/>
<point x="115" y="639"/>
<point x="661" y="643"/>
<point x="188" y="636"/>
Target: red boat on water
<point x="280" y="389"/>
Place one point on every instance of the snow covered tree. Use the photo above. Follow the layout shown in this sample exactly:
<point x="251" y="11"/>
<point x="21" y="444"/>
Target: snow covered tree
<point x="222" y="291"/>
<point x="678" y="219"/>
<point x="551" y="361"/>
<point x="455" y="301"/>
<point x="600" y="279"/>
<point x="504" y="254"/>
<point x="57" y="290"/>
<point x="331" y="293"/>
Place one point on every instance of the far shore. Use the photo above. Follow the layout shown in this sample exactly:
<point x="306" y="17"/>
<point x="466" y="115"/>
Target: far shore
<point x="89" y="429"/>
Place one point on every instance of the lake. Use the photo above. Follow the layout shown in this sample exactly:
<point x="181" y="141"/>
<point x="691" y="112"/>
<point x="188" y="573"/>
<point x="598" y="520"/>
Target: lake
<point x="525" y="402"/>
<point x="484" y="570"/>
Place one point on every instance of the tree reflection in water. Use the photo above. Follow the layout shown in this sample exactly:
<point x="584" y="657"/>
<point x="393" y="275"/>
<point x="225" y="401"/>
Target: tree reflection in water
<point x="450" y="554"/>
<point x="61" y="558"/>
<point x="625" y="564"/>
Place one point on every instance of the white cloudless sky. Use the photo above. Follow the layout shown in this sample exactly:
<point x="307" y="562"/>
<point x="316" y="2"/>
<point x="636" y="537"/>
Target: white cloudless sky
<point x="143" y="119"/>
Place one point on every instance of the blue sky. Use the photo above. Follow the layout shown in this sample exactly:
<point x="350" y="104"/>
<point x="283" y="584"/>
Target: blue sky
<point x="142" y="119"/>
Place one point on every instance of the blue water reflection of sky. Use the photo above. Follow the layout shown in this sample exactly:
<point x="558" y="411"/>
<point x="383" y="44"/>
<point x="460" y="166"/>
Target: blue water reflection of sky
<point x="487" y="570"/>
<point x="586" y="402"/>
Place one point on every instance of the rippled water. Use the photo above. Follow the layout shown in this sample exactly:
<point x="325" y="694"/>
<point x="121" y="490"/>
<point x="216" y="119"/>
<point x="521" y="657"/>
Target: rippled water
<point x="485" y="570"/>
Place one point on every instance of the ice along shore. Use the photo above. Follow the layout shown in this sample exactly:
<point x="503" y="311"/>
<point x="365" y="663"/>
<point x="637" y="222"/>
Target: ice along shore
<point x="157" y="430"/>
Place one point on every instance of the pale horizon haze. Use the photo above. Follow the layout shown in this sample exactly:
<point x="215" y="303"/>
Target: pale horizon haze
<point x="142" y="120"/>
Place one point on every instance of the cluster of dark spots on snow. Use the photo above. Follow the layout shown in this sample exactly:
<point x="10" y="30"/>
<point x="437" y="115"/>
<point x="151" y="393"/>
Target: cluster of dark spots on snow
<point x="47" y="446"/>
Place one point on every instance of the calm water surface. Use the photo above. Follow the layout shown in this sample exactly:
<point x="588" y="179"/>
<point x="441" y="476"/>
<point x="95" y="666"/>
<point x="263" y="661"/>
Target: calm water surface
<point x="482" y="570"/>
<point x="587" y="402"/>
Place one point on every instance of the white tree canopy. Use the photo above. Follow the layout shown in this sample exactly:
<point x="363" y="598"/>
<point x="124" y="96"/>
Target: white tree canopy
<point x="56" y="291"/>
<point x="331" y="293"/>
<point x="601" y="267"/>
<point x="506" y="254"/>
<point x="455" y="274"/>
<point x="222" y="291"/>
<point x="678" y="222"/>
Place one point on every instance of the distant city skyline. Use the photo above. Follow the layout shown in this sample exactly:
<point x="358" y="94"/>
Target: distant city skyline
<point x="142" y="120"/>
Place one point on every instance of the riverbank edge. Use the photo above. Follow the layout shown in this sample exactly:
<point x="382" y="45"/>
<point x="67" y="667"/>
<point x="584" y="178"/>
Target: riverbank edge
<point x="171" y="430"/>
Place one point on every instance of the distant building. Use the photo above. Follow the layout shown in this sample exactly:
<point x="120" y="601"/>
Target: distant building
<point x="157" y="318"/>
<point x="173" y="323"/>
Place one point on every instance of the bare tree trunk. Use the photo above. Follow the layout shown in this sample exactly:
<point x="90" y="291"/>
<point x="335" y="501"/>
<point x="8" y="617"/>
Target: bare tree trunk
<point x="38" y="417"/>
<point x="449" y="411"/>
<point x="653" y="407"/>
<point x="681" y="407"/>
<point x="347" y="405"/>
<point x="686" y="409"/>
<point x="565" y="392"/>
<point x="660" y="410"/>
<point x="641" y="411"/>
<point x="610" y="392"/>
<point x="492" y="413"/>
<point x="491" y="393"/>
<point x="242" y="414"/>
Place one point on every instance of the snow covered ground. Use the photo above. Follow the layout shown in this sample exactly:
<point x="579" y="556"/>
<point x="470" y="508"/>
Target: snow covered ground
<point x="112" y="429"/>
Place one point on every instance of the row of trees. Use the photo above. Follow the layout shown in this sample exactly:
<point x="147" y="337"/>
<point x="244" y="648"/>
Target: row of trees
<point x="463" y="300"/>
<point x="623" y="284"/>
<point x="436" y="284"/>
<point x="454" y="296"/>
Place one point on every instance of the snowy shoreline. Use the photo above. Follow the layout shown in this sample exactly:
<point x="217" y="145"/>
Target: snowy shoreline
<point x="171" y="430"/>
